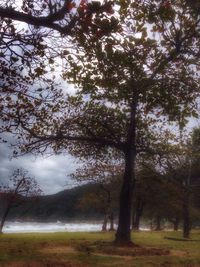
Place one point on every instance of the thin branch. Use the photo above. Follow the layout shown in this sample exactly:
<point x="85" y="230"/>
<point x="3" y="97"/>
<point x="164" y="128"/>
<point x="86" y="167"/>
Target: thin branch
<point x="43" y="21"/>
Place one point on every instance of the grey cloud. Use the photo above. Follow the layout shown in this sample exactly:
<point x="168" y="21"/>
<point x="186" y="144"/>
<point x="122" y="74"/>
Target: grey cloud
<point x="52" y="173"/>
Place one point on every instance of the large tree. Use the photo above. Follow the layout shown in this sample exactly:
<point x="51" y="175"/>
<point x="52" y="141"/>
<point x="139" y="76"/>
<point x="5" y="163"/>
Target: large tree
<point x="126" y="82"/>
<point x="149" y="66"/>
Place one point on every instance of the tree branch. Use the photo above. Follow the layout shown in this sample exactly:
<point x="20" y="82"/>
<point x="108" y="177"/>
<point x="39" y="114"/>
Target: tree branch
<point x="43" y="21"/>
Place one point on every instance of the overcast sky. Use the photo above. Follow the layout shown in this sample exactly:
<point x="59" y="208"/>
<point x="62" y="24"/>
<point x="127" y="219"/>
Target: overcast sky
<point x="52" y="173"/>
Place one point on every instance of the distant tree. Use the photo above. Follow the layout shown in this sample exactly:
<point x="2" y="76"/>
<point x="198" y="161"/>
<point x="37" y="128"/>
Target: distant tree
<point x="19" y="186"/>
<point x="181" y="166"/>
<point x="194" y="186"/>
<point x="108" y="177"/>
<point x="156" y="197"/>
<point x="127" y="82"/>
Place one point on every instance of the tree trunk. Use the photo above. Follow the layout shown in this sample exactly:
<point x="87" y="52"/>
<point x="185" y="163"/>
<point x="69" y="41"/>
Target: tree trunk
<point x="111" y="222"/>
<point x="123" y="234"/>
<point x="151" y="224"/>
<point x="186" y="218"/>
<point x="138" y="214"/>
<point x="176" y="223"/>
<point x="158" y="223"/>
<point x="186" y="205"/>
<point x="105" y="222"/>
<point x="3" y="218"/>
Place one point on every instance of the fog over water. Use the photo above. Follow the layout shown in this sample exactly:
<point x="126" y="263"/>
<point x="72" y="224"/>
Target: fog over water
<point x="28" y="227"/>
<point x="35" y="227"/>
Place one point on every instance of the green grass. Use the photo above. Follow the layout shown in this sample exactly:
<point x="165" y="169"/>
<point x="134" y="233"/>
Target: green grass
<point x="74" y="249"/>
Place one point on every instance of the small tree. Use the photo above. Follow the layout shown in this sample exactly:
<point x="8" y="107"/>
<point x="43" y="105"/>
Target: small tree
<point x="107" y="176"/>
<point x="155" y="194"/>
<point x="181" y="166"/>
<point x="19" y="187"/>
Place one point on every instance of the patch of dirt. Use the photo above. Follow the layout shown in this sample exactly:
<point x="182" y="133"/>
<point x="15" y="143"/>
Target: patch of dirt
<point x="114" y="256"/>
<point x="182" y="239"/>
<point x="133" y="252"/>
<point x="23" y="264"/>
<point x="178" y="253"/>
<point x="39" y="264"/>
<point x="58" y="250"/>
<point x="108" y="248"/>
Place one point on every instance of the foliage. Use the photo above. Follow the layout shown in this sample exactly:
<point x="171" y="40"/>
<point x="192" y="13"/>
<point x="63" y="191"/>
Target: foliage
<point x="161" y="196"/>
<point x="32" y="37"/>
<point x="20" y="185"/>
<point x="29" y="29"/>
<point x="107" y="176"/>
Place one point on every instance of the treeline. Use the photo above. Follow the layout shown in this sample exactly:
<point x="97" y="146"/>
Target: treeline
<point x="63" y="206"/>
<point x="158" y="203"/>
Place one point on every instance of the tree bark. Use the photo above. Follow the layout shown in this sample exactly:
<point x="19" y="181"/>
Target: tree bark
<point x="111" y="222"/>
<point x="158" y="223"/>
<point x="186" y="218"/>
<point x="176" y="223"/>
<point x="151" y="224"/>
<point x="104" y="226"/>
<point x="3" y="218"/>
<point x="138" y="214"/>
<point x="123" y="234"/>
<point x="186" y="204"/>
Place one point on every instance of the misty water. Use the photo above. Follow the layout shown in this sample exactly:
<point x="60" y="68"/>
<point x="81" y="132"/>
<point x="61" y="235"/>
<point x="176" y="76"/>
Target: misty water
<point x="28" y="227"/>
<point x="36" y="227"/>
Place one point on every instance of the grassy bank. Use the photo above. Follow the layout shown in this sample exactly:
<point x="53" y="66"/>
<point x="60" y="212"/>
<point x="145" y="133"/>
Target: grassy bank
<point x="95" y="249"/>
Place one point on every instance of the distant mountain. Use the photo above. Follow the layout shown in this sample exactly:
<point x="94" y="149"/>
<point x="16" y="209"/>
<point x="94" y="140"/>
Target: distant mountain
<point x="62" y="206"/>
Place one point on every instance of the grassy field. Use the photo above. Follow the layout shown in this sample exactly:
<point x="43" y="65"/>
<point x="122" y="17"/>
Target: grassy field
<point x="96" y="249"/>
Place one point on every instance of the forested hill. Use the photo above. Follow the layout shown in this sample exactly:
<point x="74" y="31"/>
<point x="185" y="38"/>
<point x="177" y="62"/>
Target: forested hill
<point x="64" y="205"/>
